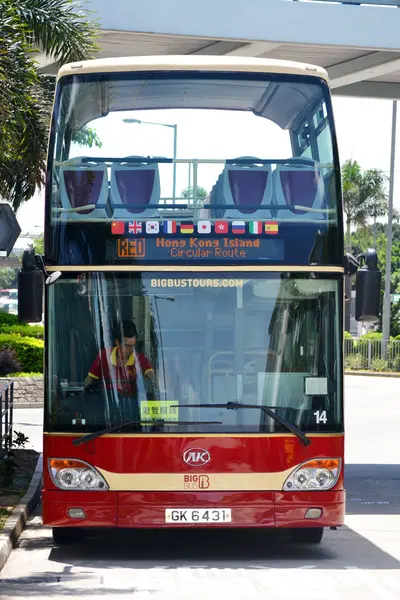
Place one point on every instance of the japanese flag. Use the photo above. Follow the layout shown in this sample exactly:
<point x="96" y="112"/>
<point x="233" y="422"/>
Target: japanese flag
<point x="204" y="226"/>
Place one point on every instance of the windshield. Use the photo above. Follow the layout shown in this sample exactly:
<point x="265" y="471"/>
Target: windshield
<point x="123" y="347"/>
<point x="142" y="164"/>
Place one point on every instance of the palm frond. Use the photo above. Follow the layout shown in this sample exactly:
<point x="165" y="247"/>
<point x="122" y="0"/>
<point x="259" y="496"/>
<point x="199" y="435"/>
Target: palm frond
<point x="364" y="193"/>
<point x="63" y="29"/>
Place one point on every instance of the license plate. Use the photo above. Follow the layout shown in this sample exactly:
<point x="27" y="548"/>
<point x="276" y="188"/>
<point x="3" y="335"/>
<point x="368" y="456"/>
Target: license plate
<point x="198" y="515"/>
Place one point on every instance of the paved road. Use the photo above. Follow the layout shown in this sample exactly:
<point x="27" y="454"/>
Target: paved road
<point x="360" y="561"/>
<point x="30" y="422"/>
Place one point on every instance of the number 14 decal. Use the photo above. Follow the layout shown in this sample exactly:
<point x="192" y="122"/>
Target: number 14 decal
<point x="320" y="416"/>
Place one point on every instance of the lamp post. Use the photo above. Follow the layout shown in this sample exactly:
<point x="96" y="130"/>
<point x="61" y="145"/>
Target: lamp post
<point x="175" y="128"/>
<point x="386" y="298"/>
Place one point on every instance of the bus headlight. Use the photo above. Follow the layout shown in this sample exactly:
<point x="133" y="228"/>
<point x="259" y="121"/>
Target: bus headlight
<point x="316" y="474"/>
<point x="71" y="474"/>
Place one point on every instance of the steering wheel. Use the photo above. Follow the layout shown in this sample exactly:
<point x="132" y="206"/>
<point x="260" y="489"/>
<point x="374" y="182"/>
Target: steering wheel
<point x="94" y="387"/>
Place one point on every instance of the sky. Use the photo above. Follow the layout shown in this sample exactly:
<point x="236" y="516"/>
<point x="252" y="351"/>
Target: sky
<point x="363" y="129"/>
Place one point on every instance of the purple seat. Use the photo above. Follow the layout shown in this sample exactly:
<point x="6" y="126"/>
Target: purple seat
<point x="299" y="187"/>
<point x="83" y="191"/>
<point x="83" y="188"/>
<point x="133" y="187"/>
<point x="245" y="188"/>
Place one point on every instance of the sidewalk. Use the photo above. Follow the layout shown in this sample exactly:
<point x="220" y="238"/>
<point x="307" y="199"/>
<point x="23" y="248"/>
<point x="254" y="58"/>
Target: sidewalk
<point x="373" y="373"/>
<point x="21" y="508"/>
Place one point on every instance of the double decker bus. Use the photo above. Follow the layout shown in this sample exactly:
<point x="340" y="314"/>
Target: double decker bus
<point x="195" y="272"/>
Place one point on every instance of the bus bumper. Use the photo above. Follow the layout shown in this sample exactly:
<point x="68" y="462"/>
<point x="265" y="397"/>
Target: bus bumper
<point x="147" y="509"/>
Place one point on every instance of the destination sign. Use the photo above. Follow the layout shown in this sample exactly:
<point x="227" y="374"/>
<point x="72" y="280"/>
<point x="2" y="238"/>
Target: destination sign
<point x="192" y="248"/>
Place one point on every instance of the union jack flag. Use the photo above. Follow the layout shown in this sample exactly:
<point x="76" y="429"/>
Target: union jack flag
<point x="135" y="227"/>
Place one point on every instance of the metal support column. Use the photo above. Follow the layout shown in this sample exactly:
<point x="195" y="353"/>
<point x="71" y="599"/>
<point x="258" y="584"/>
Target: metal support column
<point x="386" y="299"/>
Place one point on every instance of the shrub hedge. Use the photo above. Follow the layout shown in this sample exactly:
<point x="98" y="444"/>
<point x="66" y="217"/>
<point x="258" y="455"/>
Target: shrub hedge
<point x="25" y="340"/>
<point x="354" y="362"/>
<point x="29" y="351"/>
<point x="349" y="342"/>
<point x="7" y="319"/>
<point x="23" y="374"/>
<point x="359" y="352"/>
<point x="372" y="335"/>
<point x="35" y="331"/>
<point x="379" y="364"/>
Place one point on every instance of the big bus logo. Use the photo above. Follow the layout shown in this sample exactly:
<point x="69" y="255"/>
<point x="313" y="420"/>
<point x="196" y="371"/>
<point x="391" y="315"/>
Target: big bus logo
<point x="196" y="457"/>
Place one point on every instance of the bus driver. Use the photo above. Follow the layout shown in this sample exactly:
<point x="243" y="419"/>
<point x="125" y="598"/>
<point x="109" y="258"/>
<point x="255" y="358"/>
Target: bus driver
<point x="120" y="365"/>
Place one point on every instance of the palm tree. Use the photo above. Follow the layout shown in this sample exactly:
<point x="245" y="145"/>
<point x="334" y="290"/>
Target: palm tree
<point x="364" y="196"/>
<point x="61" y="31"/>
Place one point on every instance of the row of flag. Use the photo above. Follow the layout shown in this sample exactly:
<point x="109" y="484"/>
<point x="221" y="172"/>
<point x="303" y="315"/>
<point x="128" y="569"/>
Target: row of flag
<point x="203" y="227"/>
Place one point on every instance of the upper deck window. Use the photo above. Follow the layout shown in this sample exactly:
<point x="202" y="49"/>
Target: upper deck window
<point x="163" y="156"/>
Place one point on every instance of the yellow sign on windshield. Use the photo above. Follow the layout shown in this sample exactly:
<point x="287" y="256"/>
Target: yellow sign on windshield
<point x="159" y="409"/>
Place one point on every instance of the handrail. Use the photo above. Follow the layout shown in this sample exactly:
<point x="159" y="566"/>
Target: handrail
<point x="6" y="415"/>
<point x="195" y="161"/>
<point x="390" y="3"/>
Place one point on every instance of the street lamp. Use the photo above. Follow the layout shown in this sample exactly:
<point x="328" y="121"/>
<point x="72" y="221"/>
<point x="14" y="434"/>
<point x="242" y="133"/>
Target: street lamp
<point x="175" y="128"/>
<point x="386" y="298"/>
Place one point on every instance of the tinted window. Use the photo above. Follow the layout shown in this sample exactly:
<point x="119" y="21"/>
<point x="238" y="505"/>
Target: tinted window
<point x="248" y="168"/>
<point x="271" y="340"/>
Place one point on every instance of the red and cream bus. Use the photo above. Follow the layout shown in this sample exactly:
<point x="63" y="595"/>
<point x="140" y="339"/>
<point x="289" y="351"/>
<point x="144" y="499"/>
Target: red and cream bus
<point x="195" y="272"/>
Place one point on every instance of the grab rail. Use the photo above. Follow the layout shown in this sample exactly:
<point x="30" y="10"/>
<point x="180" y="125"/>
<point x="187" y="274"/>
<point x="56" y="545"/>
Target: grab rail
<point x="395" y="3"/>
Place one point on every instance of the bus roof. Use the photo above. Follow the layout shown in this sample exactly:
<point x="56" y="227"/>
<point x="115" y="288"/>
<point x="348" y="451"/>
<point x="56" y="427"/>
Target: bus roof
<point x="188" y="63"/>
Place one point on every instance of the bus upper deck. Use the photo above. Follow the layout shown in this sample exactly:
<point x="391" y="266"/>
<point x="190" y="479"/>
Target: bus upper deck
<point x="234" y="148"/>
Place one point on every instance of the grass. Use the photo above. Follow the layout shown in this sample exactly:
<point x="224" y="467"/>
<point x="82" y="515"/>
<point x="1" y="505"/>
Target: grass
<point x="11" y="494"/>
<point x="4" y="514"/>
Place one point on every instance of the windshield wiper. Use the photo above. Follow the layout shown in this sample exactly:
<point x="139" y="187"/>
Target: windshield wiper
<point x="236" y="405"/>
<point x="155" y="422"/>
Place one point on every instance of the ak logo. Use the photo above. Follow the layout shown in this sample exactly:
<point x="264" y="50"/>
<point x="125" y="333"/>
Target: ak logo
<point x="196" y="457"/>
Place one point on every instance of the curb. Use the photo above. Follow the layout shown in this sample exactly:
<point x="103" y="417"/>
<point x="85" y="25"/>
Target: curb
<point x="372" y="374"/>
<point x="15" y="523"/>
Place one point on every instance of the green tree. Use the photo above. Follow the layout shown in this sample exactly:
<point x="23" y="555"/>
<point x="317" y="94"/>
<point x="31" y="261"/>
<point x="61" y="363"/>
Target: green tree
<point x="363" y="238"/>
<point x="7" y="277"/>
<point x="87" y="137"/>
<point x="364" y="196"/>
<point x="188" y="193"/>
<point x="63" y="31"/>
<point x="394" y="319"/>
<point x="38" y="245"/>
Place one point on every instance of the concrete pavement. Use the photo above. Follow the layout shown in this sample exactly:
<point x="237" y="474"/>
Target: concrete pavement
<point x="30" y="422"/>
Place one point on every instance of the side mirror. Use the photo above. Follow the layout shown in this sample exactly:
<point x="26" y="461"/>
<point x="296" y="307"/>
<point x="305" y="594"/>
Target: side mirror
<point x="30" y="289"/>
<point x="368" y="289"/>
